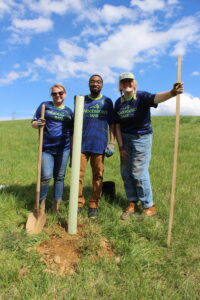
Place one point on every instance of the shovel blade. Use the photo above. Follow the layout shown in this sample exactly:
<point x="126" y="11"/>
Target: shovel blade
<point x="35" y="224"/>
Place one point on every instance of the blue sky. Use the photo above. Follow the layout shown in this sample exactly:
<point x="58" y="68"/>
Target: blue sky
<point x="46" y="42"/>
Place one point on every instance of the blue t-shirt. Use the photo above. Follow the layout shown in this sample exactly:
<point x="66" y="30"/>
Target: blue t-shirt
<point x="134" y="115"/>
<point x="58" y="128"/>
<point x="98" y="114"/>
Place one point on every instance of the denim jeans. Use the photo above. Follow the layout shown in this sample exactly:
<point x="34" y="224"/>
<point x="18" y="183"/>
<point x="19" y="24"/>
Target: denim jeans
<point x="53" y="164"/>
<point x="135" y="168"/>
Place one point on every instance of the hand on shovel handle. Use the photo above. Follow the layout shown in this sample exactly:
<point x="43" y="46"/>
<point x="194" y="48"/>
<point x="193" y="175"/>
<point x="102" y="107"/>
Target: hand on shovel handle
<point x="36" y="222"/>
<point x="41" y="122"/>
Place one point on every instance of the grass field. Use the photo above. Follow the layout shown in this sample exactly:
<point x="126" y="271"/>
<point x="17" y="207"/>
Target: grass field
<point x="141" y="267"/>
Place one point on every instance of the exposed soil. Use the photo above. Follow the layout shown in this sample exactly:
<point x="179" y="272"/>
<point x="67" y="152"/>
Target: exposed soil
<point x="62" y="252"/>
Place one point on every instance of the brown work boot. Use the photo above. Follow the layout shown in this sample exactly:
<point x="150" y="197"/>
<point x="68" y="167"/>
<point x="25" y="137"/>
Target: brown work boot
<point x="56" y="205"/>
<point x="150" y="211"/>
<point x="131" y="209"/>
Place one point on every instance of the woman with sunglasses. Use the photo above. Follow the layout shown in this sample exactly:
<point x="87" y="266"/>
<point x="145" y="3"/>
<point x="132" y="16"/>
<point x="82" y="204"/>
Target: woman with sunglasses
<point x="58" y="126"/>
<point x="134" y="137"/>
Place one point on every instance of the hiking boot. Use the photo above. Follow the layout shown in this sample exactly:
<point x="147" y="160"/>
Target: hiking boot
<point x="130" y="210"/>
<point x="150" y="211"/>
<point x="92" y="213"/>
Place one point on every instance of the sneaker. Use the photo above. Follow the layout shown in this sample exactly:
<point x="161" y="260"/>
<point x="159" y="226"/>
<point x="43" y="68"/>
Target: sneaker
<point x="92" y="213"/>
<point x="130" y="210"/>
<point x="150" y="211"/>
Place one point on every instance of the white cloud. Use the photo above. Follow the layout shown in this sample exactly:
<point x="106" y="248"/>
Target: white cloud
<point x="22" y="30"/>
<point x="38" y="25"/>
<point x="5" y="7"/>
<point x="10" y="77"/>
<point x="88" y="31"/>
<point x="196" y="73"/>
<point x="47" y="7"/>
<point x="114" y="14"/>
<point x="185" y="32"/>
<point x="13" y="76"/>
<point x="168" y="8"/>
<point x="109" y="14"/>
<point x="149" y="5"/>
<point x="11" y="7"/>
<point x="119" y="51"/>
<point x="69" y="49"/>
<point x="17" y="38"/>
<point x="174" y="2"/>
<point x="23" y="26"/>
<point x="65" y="64"/>
<point x="189" y="106"/>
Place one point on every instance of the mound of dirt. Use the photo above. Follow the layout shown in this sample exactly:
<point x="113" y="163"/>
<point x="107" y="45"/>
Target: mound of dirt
<point x="61" y="252"/>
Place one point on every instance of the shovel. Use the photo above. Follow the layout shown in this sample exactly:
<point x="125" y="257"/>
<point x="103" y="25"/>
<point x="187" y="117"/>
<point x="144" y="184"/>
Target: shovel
<point x="37" y="220"/>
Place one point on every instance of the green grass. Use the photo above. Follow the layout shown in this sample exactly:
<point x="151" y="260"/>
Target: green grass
<point x="146" y="268"/>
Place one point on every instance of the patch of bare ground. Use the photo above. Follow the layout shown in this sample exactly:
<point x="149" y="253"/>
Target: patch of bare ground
<point x="61" y="252"/>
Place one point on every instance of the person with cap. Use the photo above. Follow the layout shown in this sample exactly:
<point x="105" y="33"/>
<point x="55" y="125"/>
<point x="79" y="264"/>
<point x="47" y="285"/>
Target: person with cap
<point x="134" y="138"/>
<point x="58" y="129"/>
<point x="97" y="118"/>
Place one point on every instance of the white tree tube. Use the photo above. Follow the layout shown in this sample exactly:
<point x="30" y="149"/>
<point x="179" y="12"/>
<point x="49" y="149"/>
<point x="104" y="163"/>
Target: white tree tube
<point x="75" y="170"/>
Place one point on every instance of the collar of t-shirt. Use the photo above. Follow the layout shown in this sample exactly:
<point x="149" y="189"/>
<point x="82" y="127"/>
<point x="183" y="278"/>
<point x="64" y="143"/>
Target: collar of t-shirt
<point x="98" y="98"/>
<point x="132" y="97"/>
<point x="59" y="107"/>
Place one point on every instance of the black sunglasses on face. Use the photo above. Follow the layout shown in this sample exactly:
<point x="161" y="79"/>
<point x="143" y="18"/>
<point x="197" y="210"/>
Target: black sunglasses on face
<point x="58" y="93"/>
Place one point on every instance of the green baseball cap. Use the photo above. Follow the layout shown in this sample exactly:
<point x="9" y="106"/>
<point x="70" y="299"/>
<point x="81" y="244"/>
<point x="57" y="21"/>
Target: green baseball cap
<point x="126" y="75"/>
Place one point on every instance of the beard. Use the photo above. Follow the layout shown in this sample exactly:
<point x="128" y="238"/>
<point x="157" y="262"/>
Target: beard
<point x="95" y="91"/>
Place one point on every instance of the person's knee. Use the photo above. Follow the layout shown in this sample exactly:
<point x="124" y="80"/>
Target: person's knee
<point x="98" y="177"/>
<point x="139" y="170"/>
<point x="45" y="180"/>
<point x="138" y="173"/>
<point x="59" y="177"/>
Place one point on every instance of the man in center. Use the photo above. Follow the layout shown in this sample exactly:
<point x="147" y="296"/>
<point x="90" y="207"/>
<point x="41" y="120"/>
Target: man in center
<point x="98" y="128"/>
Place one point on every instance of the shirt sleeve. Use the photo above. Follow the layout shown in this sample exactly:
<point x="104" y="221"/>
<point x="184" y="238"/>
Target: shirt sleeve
<point x="116" y="116"/>
<point x="37" y="114"/>
<point x="147" y="99"/>
<point x="110" y="112"/>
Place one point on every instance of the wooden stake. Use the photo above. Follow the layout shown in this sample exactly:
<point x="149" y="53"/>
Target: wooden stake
<point x="175" y="156"/>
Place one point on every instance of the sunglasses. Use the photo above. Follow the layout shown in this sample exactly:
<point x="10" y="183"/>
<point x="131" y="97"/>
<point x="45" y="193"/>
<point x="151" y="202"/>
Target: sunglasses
<point x="58" y="93"/>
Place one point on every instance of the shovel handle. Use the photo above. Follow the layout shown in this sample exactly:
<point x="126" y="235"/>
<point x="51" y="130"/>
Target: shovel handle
<point x="39" y="164"/>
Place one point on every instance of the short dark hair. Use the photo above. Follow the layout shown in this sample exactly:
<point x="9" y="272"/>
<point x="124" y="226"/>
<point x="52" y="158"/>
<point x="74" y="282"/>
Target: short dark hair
<point x="96" y="75"/>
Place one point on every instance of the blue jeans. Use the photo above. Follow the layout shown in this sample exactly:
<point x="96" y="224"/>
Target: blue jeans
<point x="135" y="168"/>
<point x="53" y="164"/>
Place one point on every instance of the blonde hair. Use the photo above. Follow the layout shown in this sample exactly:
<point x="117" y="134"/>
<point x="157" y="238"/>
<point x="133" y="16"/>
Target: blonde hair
<point x="59" y="86"/>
